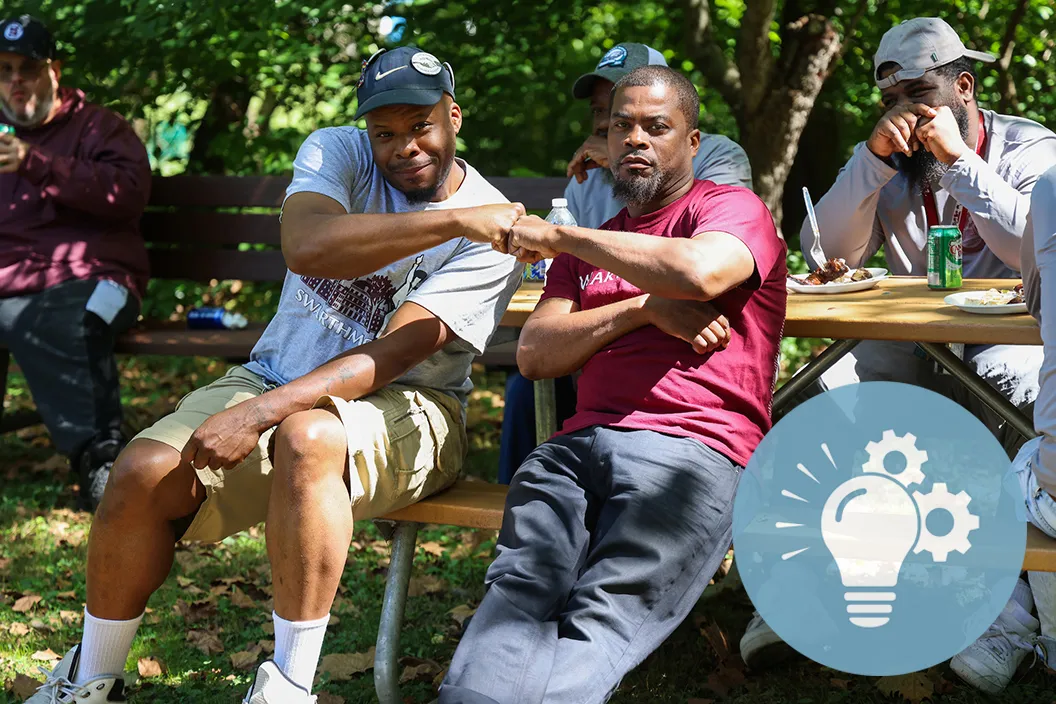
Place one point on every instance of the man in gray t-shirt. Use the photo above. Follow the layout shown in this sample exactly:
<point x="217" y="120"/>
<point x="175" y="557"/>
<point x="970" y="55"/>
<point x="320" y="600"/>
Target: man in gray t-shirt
<point x="352" y="404"/>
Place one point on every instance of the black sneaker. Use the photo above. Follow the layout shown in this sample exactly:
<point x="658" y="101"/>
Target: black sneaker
<point x="94" y="468"/>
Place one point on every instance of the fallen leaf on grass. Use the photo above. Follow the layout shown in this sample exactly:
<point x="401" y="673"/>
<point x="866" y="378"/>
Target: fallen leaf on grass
<point x="193" y="613"/>
<point x="268" y="646"/>
<point x="724" y="679"/>
<point x="324" y="698"/>
<point x="840" y="684"/>
<point x="268" y="628"/>
<point x="342" y="666"/>
<point x="71" y="616"/>
<point x="246" y="659"/>
<point x="25" y="603"/>
<point x="5" y="562"/>
<point x="48" y="655"/>
<point x="23" y="687"/>
<point x="38" y="625"/>
<point x="18" y="629"/>
<point x="424" y="671"/>
<point x="422" y="585"/>
<point x="460" y="613"/>
<point x="66" y="595"/>
<point x="433" y="548"/>
<point x="184" y="582"/>
<point x="914" y="687"/>
<point x="150" y="667"/>
<point x="206" y="642"/>
<point x="238" y="598"/>
<point x="717" y="639"/>
<point x="344" y="606"/>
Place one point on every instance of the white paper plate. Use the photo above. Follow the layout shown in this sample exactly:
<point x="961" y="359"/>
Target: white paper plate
<point x="878" y="276"/>
<point x="961" y="300"/>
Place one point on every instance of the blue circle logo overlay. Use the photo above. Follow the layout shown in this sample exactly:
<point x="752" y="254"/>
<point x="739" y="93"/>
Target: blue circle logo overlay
<point x="875" y="531"/>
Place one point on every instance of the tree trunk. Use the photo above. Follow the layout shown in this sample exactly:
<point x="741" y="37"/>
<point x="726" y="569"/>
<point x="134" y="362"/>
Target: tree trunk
<point x="771" y="97"/>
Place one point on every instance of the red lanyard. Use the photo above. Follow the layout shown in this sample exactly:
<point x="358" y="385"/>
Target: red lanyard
<point x="960" y="215"/>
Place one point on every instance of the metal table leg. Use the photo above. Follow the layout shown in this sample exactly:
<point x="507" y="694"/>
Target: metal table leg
<point x="809" y="374"/>
<point x="386" y="654"/>
<point x="978" y="386"/>
<point x="545" y="410"/>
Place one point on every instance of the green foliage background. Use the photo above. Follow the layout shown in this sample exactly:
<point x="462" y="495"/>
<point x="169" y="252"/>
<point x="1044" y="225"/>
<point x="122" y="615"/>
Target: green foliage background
<point x="261" y="75"/>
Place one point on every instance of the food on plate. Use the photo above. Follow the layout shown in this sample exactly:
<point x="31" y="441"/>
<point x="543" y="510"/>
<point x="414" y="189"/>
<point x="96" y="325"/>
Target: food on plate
<point x="834" y="271"/>
<point x="998" y="297"/>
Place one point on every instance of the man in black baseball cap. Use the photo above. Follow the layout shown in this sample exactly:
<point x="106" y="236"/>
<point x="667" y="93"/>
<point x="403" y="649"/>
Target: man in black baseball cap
<point x="29" y="71"/>
<point x="75" y="179"/>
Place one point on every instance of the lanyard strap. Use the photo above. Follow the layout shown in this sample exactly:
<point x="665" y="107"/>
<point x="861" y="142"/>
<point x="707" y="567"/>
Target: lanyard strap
<point x="960" y="215"/>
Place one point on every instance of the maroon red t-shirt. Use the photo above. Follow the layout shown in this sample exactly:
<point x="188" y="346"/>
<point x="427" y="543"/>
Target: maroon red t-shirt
<point x="650" y="380"/>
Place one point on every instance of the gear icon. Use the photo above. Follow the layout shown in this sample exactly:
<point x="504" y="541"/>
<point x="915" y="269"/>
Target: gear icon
<point x="964" y="522"/>
<point x="907" y="445"/>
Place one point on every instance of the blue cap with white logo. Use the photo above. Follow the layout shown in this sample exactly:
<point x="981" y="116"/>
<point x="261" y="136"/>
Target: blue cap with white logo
<point x="617" y="63"/>
<point x="403" y="76"/>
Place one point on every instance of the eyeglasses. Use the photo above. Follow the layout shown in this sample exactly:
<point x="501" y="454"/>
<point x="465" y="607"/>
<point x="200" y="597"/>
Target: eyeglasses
<point x="29" y="70"/>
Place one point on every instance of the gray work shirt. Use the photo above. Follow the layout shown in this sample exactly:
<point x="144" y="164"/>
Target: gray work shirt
<point x="719" y="159"/>
<point x="873" y="204"/>
<point x="1039" y="282"/>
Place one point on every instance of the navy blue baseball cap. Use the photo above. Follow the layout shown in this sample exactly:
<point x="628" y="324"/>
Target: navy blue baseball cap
<point x="403" y="76"/>
<point x="27" y="36"/>
<point x="617" y="63"/>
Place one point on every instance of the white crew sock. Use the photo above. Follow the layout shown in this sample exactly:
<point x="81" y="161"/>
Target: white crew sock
<point x="104" y="647"/>
<point x="298" y="645"/>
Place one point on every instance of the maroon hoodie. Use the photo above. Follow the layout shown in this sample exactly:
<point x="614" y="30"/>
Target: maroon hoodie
<point x="72" y="209"/>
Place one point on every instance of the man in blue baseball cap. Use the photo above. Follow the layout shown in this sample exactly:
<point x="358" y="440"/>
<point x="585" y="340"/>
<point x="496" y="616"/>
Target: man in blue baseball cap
<point x="353" y="402"/>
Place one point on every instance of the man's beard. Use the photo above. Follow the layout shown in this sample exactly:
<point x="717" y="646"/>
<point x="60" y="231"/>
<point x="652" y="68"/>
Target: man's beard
<point x="424" y="195"/>
<point x="923" y="167"/>
<point x="637" y="190"/>
<point x="34" y="119"/>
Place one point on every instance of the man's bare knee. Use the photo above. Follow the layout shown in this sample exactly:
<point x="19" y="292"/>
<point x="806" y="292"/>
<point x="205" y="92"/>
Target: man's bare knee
<point x="308" y="446"/>
<point x="149" y="477"/>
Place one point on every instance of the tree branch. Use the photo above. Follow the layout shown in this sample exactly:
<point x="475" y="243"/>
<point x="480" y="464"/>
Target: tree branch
<point x="754" y="57"/>
<point x="1008" y="45"/>
<point x="704" y="50"/>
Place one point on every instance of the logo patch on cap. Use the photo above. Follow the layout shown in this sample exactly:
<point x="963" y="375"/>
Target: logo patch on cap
<point x="14" y="32"/>
<point x="426" y="64"/>
<point x="616" y="56"/>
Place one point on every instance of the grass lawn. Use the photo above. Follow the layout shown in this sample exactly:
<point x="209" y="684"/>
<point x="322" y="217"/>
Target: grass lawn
<point x="209" y="626"/>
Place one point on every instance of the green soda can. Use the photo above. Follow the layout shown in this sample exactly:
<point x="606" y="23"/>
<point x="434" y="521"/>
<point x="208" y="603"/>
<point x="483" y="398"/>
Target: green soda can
<point x="944" y="257"/>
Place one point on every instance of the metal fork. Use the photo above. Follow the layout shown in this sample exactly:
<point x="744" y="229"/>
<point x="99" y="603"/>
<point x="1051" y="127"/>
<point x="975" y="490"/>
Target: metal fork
<point x="816" y="252"/>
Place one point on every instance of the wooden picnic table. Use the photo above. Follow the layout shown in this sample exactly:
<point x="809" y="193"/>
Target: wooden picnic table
<point x="899" y="308"/>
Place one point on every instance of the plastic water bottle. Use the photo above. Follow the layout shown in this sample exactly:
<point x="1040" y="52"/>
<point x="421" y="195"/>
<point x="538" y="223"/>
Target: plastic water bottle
<point x="215" y="319"/>
<point x="559" y="215"/>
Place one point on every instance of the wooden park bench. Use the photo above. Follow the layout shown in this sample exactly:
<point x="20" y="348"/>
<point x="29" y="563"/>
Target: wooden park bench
<point x="197" y="229"/>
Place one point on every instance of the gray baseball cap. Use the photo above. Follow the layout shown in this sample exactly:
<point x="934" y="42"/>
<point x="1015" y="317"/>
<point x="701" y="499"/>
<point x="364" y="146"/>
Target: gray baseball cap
<point x="617" y="63"/>
<point x="920" y="45"/>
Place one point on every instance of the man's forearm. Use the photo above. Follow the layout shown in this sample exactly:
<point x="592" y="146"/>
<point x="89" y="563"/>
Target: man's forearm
<point x="349" y="246"/>
<point x="665" y="266"/>
<point x="557" y="345"/>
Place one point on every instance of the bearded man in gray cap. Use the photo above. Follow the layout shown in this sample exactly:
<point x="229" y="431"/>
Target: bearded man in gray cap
<point x="936" y="158"/>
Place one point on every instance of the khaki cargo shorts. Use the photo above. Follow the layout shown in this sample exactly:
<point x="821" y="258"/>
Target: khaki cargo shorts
<point x="404" y="443"/>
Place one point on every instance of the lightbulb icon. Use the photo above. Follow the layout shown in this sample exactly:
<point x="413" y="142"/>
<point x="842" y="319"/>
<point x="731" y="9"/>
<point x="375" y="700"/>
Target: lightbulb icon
<point x="869" y="524"/>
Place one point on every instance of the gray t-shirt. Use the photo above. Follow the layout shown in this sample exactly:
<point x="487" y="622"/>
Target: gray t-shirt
<point x="465" y="284"/>
<point x="719" y="159"/>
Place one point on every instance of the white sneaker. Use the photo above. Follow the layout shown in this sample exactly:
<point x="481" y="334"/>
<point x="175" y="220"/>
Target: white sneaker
<point x="989" y="663"/>
<point x="761" y="647"/>
<point x="58" y="687"/>
<point x="271" y="686"/>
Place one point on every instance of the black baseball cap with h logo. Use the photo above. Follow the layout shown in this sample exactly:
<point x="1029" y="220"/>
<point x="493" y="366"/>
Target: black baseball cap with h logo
<point x="28" y="37"/>
<point x="403" y="76"/>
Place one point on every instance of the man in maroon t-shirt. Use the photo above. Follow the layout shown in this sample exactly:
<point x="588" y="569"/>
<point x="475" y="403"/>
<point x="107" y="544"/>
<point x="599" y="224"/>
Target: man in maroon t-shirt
<point x="74" y="179"/>
<point x="673" y="311"/>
